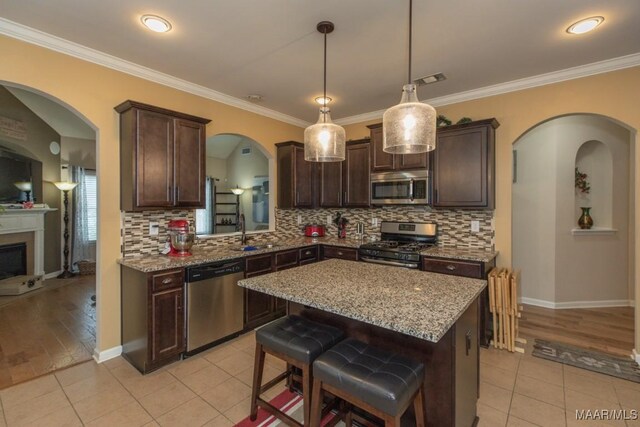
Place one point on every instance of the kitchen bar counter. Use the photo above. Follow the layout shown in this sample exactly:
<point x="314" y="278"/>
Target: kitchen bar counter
<point x="412" y="302"/>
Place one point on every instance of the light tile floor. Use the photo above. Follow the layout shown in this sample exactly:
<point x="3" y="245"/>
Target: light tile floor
<point x="213" y="389"/>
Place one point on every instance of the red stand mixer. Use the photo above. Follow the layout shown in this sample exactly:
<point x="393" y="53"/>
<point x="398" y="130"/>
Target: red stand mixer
<point x="180" y="240"/>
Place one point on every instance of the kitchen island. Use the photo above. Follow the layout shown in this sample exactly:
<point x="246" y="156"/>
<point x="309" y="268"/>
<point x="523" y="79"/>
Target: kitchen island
<point x="428" y="317"/>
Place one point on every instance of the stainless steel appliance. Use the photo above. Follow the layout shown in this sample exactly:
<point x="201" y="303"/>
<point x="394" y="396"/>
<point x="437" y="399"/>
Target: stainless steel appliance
<point x="215" y="303"/>
<point x="400" y="188"/>
<point x="400" y="244"/>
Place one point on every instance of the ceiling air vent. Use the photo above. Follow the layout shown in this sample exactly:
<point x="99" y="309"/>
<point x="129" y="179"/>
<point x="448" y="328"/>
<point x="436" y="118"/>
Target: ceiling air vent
<point x="246" y="151"/>
<point x="434" y="78"/>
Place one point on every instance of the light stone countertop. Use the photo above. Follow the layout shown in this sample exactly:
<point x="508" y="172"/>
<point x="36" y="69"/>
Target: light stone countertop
<point x="461" y="254"/>
<point x="204" y="255"/>
<point x="416" y="303"/>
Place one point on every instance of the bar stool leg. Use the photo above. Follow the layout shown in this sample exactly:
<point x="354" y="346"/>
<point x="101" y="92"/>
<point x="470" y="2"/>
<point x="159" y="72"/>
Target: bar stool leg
<point x="258" y="368"/>
<point x="317" y="397"/>
<point x="418" y="407"/>
<point x="307" y="381"/>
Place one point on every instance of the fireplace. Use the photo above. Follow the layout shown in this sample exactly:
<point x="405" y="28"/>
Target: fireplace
<point x="13" y="260"/>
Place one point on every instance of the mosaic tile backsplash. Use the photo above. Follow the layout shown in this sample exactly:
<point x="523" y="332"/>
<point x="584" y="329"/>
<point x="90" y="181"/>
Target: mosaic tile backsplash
<point x="454" y="226"/>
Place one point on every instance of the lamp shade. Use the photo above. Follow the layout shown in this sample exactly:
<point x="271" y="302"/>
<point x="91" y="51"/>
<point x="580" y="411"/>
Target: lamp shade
<point x="237" y="191"/>
<point x="65" y="186"/>
<point x="324" y="141"/>
<point x="410" y="126"/>
<point x="23" y="185"/>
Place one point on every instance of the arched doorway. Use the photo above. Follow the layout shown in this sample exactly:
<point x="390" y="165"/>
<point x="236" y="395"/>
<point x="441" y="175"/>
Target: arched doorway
<point x="589" y="272"/>
<point x="53" y="326"/>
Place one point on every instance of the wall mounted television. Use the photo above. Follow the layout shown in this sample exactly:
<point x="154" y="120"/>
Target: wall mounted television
<point x="15" y="168"/>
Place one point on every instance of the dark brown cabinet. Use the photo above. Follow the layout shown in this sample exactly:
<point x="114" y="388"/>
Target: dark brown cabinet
<point x="357" y="176"/>
<point x="385" y="162"/>
<point x="162" y="158"/>
<point x="295" y="177"/>
<point x="339" y="252"/>
<point x="464" y="166"/>
<point x="153" y="324"/>
<point x="303" y="184"/>
<point x="475" y="270"/>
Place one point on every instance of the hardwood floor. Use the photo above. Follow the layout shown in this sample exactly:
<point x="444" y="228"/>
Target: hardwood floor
<point x="46" y="330"/>
<point x="609" y="330"/>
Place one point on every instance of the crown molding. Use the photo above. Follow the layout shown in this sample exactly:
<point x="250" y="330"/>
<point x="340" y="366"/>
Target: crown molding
<point x="600" y="67"/>
<point x="39" y="38"/>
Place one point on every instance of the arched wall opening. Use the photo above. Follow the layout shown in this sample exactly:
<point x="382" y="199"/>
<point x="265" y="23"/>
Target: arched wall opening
<point x="563" y="266"/>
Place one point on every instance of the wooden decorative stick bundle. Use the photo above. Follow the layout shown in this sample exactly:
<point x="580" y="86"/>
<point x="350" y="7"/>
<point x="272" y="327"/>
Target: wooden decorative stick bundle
<point x="503" y="304"/>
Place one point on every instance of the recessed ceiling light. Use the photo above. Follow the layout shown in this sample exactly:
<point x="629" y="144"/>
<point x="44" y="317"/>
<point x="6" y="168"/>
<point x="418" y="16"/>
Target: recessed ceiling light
<point x="585" y="25"/>
<point x="156" y="23"/>
<point x="434" y="78"/>
<point x="323" y="101"/>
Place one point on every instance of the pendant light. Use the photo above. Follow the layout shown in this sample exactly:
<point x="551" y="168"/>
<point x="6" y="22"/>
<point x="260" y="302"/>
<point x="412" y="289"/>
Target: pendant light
<point x="324" y="141"/>
<point x="410" y="126"/>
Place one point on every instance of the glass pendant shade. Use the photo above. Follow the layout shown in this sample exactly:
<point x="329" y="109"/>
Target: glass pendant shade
<point x="410" y="126"/>
<point x="324" y="141"/>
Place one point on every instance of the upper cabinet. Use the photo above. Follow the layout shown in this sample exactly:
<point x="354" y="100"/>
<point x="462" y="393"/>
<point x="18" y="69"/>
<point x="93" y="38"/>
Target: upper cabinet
<point x="464" y="166"/>
<point x="162" y="158"/>
<point x="303" y="184"/>
<point x="381" y="161"/>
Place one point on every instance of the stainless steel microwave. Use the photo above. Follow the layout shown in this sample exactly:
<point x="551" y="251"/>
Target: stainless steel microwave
<point x="400" y="188"/>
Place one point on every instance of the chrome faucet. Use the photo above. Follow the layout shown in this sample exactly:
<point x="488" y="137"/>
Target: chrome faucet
<point x="242" y="227"/>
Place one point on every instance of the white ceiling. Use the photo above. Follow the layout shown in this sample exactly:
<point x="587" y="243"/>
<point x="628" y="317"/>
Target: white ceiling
<point x="272" y="48"/>
<point x="62" y="120"/>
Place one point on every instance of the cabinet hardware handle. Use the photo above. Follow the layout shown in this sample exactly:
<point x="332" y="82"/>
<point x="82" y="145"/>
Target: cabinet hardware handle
<point x="344" y="197"/>
<point x="307" y="253"/>
<point x="167" y="281"/>
<point x="179" y="302"/>
<point x="451" y="267"/>
<point x="340" y="253"/>
<point x="467" y="339"/>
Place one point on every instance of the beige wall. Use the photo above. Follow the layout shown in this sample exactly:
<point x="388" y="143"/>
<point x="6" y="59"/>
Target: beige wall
<point x="78" y="152"/>
<point x="217" y="168"/>
<point x="39" y="136"/>
<point x="93" y="91"/>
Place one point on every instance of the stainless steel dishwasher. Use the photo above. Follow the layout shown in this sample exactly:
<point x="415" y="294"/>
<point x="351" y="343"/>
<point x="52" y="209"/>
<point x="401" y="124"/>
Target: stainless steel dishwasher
<point x="215" y="303"/>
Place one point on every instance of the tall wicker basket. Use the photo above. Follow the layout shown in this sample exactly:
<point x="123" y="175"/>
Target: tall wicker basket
<point x="86" y="267"/>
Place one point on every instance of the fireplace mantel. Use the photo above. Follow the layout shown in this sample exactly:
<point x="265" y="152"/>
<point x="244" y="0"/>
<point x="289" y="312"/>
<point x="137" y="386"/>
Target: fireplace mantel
<point x="27" y="220"/>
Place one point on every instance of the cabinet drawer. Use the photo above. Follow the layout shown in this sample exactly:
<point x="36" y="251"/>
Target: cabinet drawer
<point x="339" y="252"/>
<point x="308" y="253"/>
<point x="286" y="258"/>
<point x="455" y="267"/>
<point x="167" y="280"/>
<point x="260" y="264"/>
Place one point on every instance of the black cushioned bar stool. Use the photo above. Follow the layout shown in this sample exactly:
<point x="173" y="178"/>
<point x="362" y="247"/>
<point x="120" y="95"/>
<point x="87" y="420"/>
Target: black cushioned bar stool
<point x="382" y="383"/>
<point x="298" y="342"/>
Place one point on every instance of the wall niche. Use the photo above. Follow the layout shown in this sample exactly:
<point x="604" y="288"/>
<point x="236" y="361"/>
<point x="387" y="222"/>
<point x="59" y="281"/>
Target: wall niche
<point x="594" y="159"/>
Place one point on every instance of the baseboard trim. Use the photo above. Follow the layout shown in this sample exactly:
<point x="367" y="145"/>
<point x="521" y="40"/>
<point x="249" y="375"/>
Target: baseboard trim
<point x="103" y="356"/>
<point x="53" y="274"/>
<point x="577" y="304"/>
<point x="636" y="356"/>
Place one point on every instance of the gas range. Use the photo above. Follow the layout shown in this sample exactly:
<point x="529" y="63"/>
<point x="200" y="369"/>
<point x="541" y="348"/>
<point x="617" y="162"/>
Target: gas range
<point x="400" y="244"/>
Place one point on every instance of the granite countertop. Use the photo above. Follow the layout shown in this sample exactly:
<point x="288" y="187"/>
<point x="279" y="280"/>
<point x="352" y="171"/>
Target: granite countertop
<point x="203" y="255"/>
<point x="412" y="302"/>
<point x="461" y="254"/>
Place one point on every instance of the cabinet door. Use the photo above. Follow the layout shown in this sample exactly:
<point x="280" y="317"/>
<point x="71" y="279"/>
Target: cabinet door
<point x="357" y="176"/>
<point x="303" y="180"/>
<point x="258" y="308"/>
<point x="154" y="160"/>
<point x="413" y="161"/>
<point x="189" y="164"/>
<point x="331" y="185"/>
<point x="463" y="168"/>
<point x="380" y="161"/>
<point x="167" y="324"/>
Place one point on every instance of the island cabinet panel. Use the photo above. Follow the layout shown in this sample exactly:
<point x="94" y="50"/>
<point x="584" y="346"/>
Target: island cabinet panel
<point x="473" y="269"/>
<point x="385" y="162"/>
<point x="340" y="252"/>
<point x="464" y="166"/>
<point x="357" y="177"/>
<point x="296" y="177"/>
<point x="153" y="317"/>
<point x="162" y="158"/>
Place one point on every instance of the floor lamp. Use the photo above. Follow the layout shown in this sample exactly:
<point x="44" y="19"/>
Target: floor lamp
<point x="65" y="187"/>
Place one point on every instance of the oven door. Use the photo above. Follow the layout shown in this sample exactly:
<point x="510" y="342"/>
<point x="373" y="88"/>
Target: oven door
<point x="404" y="188"/>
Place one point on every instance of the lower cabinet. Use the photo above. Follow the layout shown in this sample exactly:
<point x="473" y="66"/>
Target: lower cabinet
<point x="339" y="252"/>
<point x="153" y="318"/>
<point x="475" y="270"/>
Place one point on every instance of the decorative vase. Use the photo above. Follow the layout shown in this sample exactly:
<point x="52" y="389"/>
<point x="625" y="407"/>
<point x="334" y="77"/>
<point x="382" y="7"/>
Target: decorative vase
<point x="585" y="221"/>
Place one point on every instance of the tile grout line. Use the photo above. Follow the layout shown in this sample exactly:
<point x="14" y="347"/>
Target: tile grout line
<point x="67" y="397"/>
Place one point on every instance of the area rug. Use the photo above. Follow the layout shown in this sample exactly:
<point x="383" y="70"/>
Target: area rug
<point x="288" y="402"/>
<point x="587" y="359"/>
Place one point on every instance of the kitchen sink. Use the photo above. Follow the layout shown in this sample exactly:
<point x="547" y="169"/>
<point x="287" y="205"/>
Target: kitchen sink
<point x="256" y="247"/>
